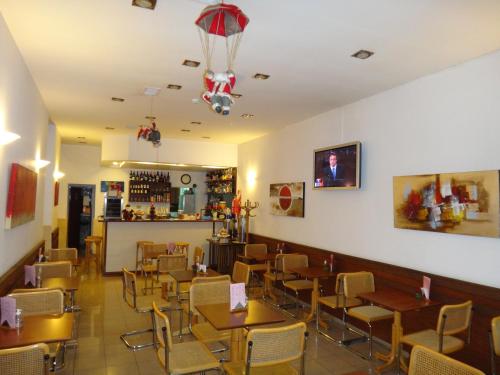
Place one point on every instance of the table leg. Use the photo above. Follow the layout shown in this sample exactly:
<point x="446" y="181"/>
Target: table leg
<point x="178" y="291"/>
<point x="392" y="358"/>
<point x="314" y="300"/>
<point x="236" y="344"/>
<point x="268" y="284"/>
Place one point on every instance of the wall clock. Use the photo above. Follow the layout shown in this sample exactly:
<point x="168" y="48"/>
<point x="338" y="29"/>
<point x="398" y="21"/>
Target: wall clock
<point x="186" y="179"/>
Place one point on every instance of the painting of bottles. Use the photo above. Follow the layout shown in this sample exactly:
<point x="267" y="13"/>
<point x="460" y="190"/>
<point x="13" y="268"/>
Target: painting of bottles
<point x="458" y="203"/>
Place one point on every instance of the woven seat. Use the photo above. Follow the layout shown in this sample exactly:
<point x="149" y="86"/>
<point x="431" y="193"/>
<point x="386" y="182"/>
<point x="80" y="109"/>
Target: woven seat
<point x="141" y="304"/>
<point x="334" y="302"/>
<point x="205" y="294"/>
<point x="26" y="360"/>
<point x="63" y="254"/>
<point x="41" y="302"/>
<point x="430" y="339"/>
<point x="291" y="261"/>
<point x="271" y="350"/>
<point x="363" y="282"/>
<point x="183" y="358"/>
<point x="494" y="343"/>
<point x="279" y="276"/>
<point x="424" y="361"/>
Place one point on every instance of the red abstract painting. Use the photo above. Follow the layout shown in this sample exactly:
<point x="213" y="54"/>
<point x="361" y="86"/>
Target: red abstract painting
<point x="21" y="200"/>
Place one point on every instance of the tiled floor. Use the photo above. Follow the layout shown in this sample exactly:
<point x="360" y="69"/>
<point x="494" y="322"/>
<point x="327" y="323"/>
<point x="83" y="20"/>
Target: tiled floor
<point x="104" y="316"/>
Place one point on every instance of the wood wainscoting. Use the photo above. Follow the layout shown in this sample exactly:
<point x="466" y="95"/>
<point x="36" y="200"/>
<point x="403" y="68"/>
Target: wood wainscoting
<point x="443" y="289"/>
<point x="55" y="238"/>
<point x="14" y="277"/>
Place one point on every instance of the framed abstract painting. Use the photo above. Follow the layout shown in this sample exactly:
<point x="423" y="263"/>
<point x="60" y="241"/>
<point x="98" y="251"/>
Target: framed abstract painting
<point x="458" y="203"/>
<point x="287" y="199"/>
<point x="21" y="199"/>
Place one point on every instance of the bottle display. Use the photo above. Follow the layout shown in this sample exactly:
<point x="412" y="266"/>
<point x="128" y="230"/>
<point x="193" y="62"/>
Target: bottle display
<point x="149" y="186"/>
<point x="221" y="188"/>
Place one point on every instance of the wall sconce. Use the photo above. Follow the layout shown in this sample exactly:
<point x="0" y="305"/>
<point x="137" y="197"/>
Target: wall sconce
<point x="8" y="137"/>
<point x="58" y="175"/>
<point x="39" y="164"/>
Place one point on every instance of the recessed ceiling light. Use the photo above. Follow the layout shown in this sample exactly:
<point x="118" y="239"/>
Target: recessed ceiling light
<point x="116" y="99"/>
<point x="186" y="130"/>
<point x="261" y="76"/>
<point x="148" y="4"/>
<point x="247" y="115"/>
<point x="237" y="96"/>
<point x="83" y="142"/>
<point x="195" y="122"/>
<point x="205" y="137"/>
<point x="191" y="63"/>
<point x="362" y="54"/>
<point x="80" y="137"/>
<point x="150" y="117"/>
<point x="195" y="100"/>
<point x="174" y="87"/>
<point x="151" y="91"/>
<point x="109" y="128"/>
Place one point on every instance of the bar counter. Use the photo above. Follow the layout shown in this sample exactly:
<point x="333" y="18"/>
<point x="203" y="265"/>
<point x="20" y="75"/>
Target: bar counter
<point x="120" y="238"/>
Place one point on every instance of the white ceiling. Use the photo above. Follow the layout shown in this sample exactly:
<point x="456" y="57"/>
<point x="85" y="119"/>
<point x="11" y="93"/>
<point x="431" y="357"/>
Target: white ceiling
<point x="81" y="53"/>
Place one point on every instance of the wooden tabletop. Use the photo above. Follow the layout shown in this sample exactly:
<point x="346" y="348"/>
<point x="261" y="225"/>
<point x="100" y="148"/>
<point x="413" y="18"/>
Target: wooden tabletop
<point x="187" y="276"/>
<point x="37" y="329"/>
<point x="263" y="257"/>
<point x="258" y="313"/>
<point x="64" y="283"/>
<point x="313" y="272"/>
<point x="396" y="300"/>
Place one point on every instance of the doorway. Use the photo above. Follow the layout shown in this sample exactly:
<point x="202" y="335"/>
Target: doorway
<point x="81" y="205"/>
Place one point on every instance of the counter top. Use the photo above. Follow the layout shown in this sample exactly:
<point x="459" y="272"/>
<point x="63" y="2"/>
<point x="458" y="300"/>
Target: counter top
<point x="159" y="221"/>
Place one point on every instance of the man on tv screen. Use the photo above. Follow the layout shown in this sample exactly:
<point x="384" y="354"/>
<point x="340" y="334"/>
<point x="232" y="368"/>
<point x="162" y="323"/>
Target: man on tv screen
<point x="333" y="175"/>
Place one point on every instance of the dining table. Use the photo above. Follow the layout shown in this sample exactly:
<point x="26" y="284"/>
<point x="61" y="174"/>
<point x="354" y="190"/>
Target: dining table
<point x="37" y="329"/>
<point x="68" y="285"/>
<point x="315" y="273"/>
<point x="267" y="258"/>
<point x="222" y="318"/>
<point x="399" y="302"/>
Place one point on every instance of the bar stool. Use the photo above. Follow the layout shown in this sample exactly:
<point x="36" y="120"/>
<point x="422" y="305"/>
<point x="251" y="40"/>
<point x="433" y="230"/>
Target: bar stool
<point x="96" y="256"/>
<point x="140" y="249"/>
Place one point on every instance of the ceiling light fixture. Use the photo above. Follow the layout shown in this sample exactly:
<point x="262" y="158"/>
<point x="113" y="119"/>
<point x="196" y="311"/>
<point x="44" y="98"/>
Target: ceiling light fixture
<point x="186" y="130"/>
<point x="8" y="137"/>
<point x="212" y="167"/>
<point x="362" y="54"/>
<point x="247" y="116"/>
<point x="174" y="87"/>
<point x="237" y="96"/>
<point x="80" y="137"/>
<point x="151" y="118"/>
<point x="261" y="76"/>
<point x="195" y="122"/>
<point x="191" y="63"/>
<point x="147" y="4"/>
<point x="152" y="91"/>
<point x="205" y="137"/>
<point x="115" y="99"/>
<point x="109" y="128"/>
<point x="83" y="142"/>
<point x="118" y="164"/>
<point x="195" y="101"/>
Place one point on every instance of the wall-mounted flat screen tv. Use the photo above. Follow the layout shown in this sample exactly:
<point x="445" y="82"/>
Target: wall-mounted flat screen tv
<point x="338" y="167"/>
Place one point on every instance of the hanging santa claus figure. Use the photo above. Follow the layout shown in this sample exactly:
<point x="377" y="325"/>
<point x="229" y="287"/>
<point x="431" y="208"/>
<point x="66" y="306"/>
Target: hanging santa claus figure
<point x="218" y="90"/>
<point x="150" y="133"/>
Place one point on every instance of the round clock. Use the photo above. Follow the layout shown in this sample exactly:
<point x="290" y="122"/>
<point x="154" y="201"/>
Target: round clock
<point x="186" y="179"/>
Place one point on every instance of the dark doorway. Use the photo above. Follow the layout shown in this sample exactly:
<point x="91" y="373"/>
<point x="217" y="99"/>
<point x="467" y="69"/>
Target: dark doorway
<point x="80" y="214"/>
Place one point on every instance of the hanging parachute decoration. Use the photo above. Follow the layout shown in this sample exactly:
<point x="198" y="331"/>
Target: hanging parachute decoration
<point x="215" y="22"/>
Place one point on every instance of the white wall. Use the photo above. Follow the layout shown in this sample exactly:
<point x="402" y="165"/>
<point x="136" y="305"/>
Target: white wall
<point x="21" y="111"/>
<point x="445" y="122"/>
<point x="82" y="165"/>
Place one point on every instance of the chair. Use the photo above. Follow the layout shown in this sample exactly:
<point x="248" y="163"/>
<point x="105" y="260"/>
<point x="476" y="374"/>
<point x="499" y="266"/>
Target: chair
<point x="49" y="301"/>
<point x="241" y="273"/>
<point x="182" y="248"/>
<point x="209" y="279"/>
<point x="251" y="252"/>
<point x="270" y="351"/>
<point x="453" y="319"/>
<point x="139" y="249"/>
<point x="355" y="284"/>
<point x="141" y="304"/>
<point x="168" y="263"/>
<point x="337" y="301"/>
<point x="494" y="342"/>
<point x="424" y="361"/>
<point x="25" y="360"/>
<point x="148" y="266"/>
<point x="199" y="254"/>
<point x="182" y="358"/>
<point x="277" y="273"/>
<point x="54" y="269"/>
<point x="291" y="261"/>
<point x="93" y="242"/>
